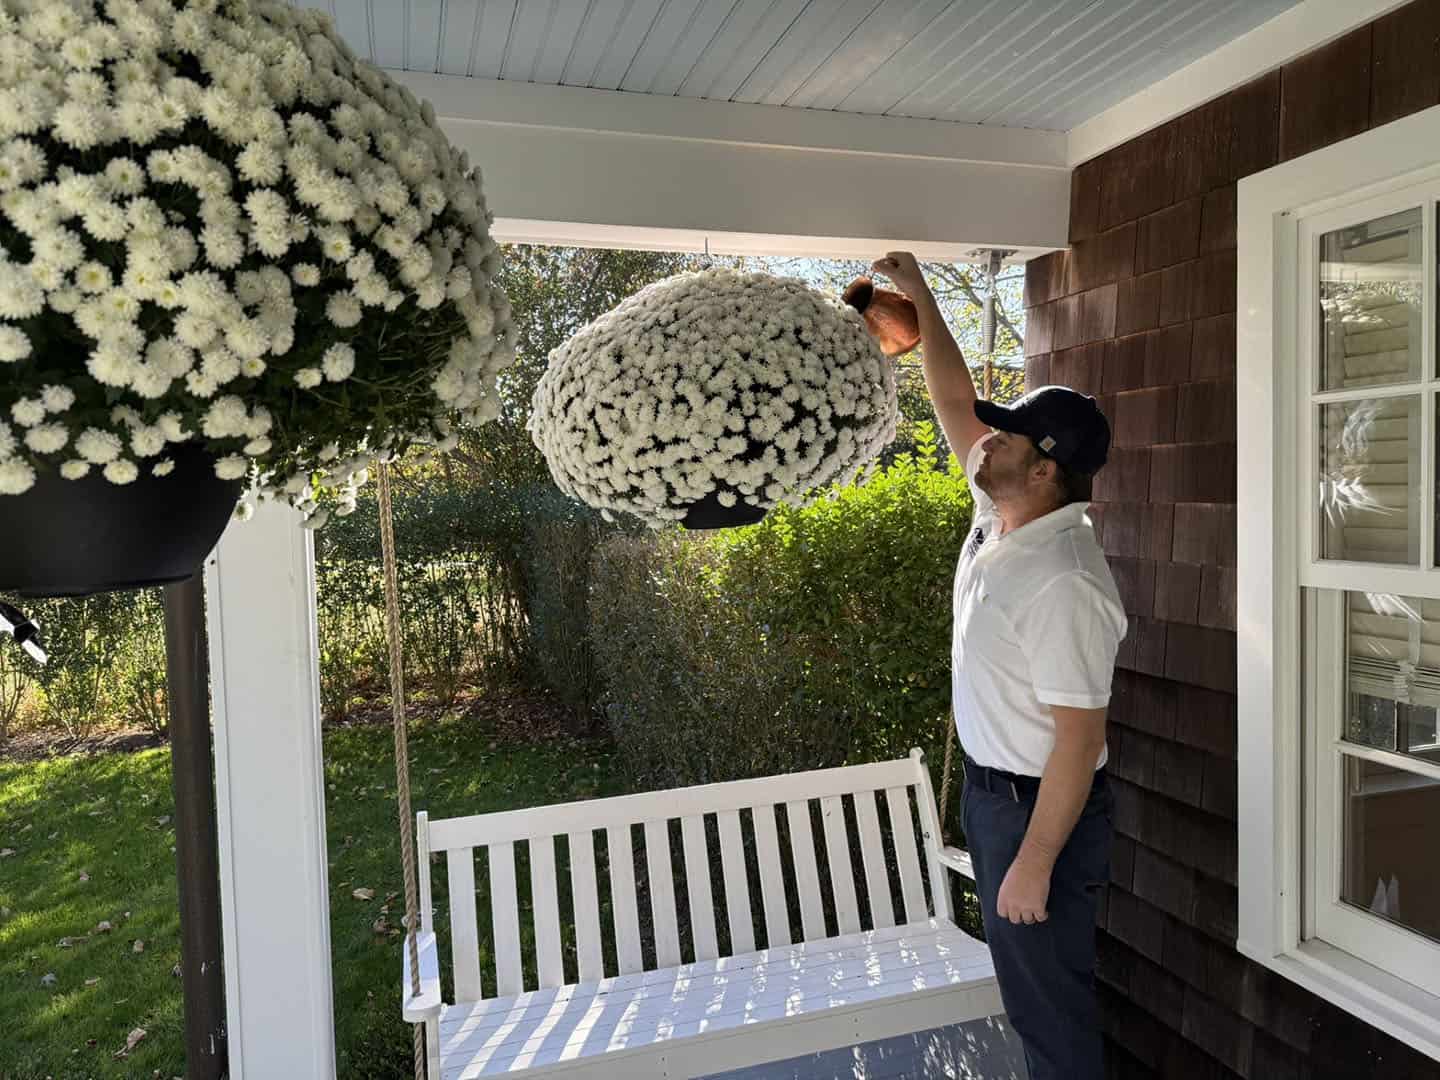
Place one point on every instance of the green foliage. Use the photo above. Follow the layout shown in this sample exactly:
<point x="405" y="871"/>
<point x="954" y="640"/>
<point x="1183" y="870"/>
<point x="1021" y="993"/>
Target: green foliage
<point x="697" y="689"/>
<point x="112" y="816"/>
<point x="141" y="664"/>
<point x="90" y="634"/>
<point x="864" y="573"/>
<point x="820" y="635"/>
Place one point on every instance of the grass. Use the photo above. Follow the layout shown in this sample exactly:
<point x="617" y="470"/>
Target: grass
<point x="92" y="841"/>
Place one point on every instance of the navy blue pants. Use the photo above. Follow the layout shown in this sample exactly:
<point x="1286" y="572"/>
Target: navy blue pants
<point x="1046" y="970"/>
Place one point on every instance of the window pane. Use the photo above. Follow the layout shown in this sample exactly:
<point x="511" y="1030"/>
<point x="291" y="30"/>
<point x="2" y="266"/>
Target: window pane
<point x="1370" y="480"/>
<point x="1392" y="670"/>
<point x="1392" y="845"/>
<point x="1371" y="287"/>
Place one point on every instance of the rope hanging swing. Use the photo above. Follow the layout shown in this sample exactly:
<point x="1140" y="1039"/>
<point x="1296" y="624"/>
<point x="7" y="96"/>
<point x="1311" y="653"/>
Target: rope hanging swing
<point x="402" y="751"/>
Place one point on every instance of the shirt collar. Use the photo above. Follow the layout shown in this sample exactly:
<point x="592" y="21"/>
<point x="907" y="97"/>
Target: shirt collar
<point x="1047" y="526"/>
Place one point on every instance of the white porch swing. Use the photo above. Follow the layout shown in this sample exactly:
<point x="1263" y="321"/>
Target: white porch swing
<point x="872" y="969"/>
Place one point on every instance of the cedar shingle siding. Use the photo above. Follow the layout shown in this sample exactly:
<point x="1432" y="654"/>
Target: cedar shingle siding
<point x="1141" y="312"/>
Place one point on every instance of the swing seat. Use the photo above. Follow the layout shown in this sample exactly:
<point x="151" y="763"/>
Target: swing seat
<point x="859" y="940"/>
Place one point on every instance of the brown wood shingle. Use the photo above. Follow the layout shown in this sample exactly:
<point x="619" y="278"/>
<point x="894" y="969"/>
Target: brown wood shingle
<point x="1325" y="95"/>
<point x="1406" y="56"/>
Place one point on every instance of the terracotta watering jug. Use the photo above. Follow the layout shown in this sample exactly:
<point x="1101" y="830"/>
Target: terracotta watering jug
<point x="890" y="316"/>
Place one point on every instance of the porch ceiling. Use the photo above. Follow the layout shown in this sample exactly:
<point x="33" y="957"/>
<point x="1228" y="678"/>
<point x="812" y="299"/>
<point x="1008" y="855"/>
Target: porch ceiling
<point x="1048" y="64"/>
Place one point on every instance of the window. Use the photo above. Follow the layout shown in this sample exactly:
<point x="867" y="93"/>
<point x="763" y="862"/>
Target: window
<point x="1339" y="583"/>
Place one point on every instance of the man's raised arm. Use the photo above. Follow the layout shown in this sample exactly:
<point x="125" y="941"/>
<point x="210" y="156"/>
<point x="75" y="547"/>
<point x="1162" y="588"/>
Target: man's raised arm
<point x="952" y="390"/>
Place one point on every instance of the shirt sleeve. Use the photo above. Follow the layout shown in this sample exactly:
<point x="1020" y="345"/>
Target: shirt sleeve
<point x="1071" y="632"/>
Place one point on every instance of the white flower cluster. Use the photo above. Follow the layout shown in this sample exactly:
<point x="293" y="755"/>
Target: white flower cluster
<point x="216" y="223"/>
<point x="754" y="387"/>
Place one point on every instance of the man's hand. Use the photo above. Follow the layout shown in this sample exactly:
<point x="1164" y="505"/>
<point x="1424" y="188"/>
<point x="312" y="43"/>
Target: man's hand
<point x="901" y="268"/>
<point x="1024" y="892"/>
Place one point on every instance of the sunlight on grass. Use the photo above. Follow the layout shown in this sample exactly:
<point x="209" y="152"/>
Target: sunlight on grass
<point x="110" y="818"/>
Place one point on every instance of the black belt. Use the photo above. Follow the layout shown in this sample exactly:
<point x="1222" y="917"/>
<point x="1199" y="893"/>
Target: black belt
<point x="999" y="782"/>
<point x="1014" y="786"/>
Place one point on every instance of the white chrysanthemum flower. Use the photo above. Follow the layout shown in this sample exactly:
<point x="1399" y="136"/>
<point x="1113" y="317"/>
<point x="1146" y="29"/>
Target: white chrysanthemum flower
<point x="125" y="177"/>
<point x="16" y="476"/>
<point x="20" y="296"/>
<point x="47" y="438"/>
<point x="27" y="412"/>
<point x="163" y="468"/>
<point x="344" y="310"/>
<point x="57" y="399"/>
<point x="252" y="367"/>
<point x="306" y="275"/>
<point x="104" y="221"/>
<point x="232" y="467"/>
<point x="14" y="344"/>
<point x="97" y="446"/>
<point x="172" y="427"/>
<point x="122" y="472"/>
<point x="338" y="362"/>
<point x="75" y="469"/>
<point x="308" y="378"/>
<point x="146" y="441"/>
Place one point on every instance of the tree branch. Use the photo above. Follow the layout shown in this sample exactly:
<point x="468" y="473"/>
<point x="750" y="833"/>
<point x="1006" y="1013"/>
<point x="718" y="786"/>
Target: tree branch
<point x="958" y="278"/>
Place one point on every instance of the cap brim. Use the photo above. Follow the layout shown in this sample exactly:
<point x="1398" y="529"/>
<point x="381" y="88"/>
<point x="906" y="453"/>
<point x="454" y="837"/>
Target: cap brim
<point x="999" y="417"/>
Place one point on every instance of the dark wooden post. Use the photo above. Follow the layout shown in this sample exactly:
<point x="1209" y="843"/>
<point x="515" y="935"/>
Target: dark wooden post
<point x="197" y="861"/>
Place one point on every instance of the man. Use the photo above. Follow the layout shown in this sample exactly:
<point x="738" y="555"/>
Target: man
<point x="1038" y="622"/>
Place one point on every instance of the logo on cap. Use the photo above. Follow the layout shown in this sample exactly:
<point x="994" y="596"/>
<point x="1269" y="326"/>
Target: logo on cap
<point x="1047" y="444"/>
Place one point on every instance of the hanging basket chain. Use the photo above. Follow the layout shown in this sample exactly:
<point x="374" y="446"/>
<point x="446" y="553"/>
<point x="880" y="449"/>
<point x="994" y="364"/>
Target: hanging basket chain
<point x="402" y="753"/>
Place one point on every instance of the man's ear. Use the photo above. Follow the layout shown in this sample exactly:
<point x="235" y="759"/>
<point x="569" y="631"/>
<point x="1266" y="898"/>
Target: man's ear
<point x="1045" y="469"/>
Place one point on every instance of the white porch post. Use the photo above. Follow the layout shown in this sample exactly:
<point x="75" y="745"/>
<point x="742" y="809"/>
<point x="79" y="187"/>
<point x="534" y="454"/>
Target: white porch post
<point x="270" y="798"/>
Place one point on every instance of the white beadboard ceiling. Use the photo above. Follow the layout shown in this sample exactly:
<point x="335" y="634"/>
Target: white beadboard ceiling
<point x="1048" y="64"/>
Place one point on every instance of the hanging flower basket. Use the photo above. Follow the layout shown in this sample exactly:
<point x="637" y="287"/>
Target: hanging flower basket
<point x="710" y="397"/>
<point x="224" y="238"/>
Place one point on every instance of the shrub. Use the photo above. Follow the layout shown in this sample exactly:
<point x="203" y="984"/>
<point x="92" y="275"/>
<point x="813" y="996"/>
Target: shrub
<point x="819" y="636"/>
<point x="86" y="637"/>
<point x="141" y="664"/>
<point x="865" y="574"/>
<point x="697" y="689"/>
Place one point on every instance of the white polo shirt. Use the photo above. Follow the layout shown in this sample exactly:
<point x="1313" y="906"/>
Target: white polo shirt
<point x="1038" y="622"/>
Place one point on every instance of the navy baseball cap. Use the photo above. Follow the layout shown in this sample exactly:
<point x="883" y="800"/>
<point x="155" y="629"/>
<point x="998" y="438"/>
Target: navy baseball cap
<point x="1065" y="425"/>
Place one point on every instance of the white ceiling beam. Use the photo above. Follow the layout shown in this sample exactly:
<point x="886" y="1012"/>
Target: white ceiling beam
<point x="606" y="168"/>
<point x="1306" y="26"/>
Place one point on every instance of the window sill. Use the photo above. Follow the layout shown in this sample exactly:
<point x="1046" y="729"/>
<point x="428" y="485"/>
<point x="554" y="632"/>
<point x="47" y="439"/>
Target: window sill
<point x="1394" y="1006"/>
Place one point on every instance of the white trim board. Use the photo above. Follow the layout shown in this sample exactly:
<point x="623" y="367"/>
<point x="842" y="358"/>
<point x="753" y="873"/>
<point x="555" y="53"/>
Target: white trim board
<point x="604" y="168"/>
<point x="1304" y="27"/>
<point x="1274" y="804"/>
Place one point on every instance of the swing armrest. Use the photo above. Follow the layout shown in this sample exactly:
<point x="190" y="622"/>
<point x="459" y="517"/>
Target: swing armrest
<point x="427" y="1005"/>
<point x="953" y="858"/>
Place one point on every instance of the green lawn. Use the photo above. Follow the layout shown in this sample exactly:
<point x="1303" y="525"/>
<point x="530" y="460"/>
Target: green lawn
<point x="91" y="841"/>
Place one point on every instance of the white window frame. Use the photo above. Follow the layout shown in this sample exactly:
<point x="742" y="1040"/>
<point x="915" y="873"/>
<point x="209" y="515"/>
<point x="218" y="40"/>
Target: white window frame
<point x="1280" y="769"/>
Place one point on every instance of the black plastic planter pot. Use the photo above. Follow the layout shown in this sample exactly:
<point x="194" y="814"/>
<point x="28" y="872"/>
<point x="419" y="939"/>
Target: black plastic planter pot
<point x="77" y="537"/>
<point x="708" y="513"/>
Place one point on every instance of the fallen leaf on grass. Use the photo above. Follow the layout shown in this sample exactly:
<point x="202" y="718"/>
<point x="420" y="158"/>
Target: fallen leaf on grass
<point x="84" y="875"/>
<point x="131" y="1041"/>
<point x="363" y="894"/>
<point x="103" y="926"/>
<point x="175" y="971"/>
<point x="380" y="926"/>
<point x="48" y="979"/>
<point x="92" y="982"/>
<point x="139" y="946"/>
<point x="5" y="853"/>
